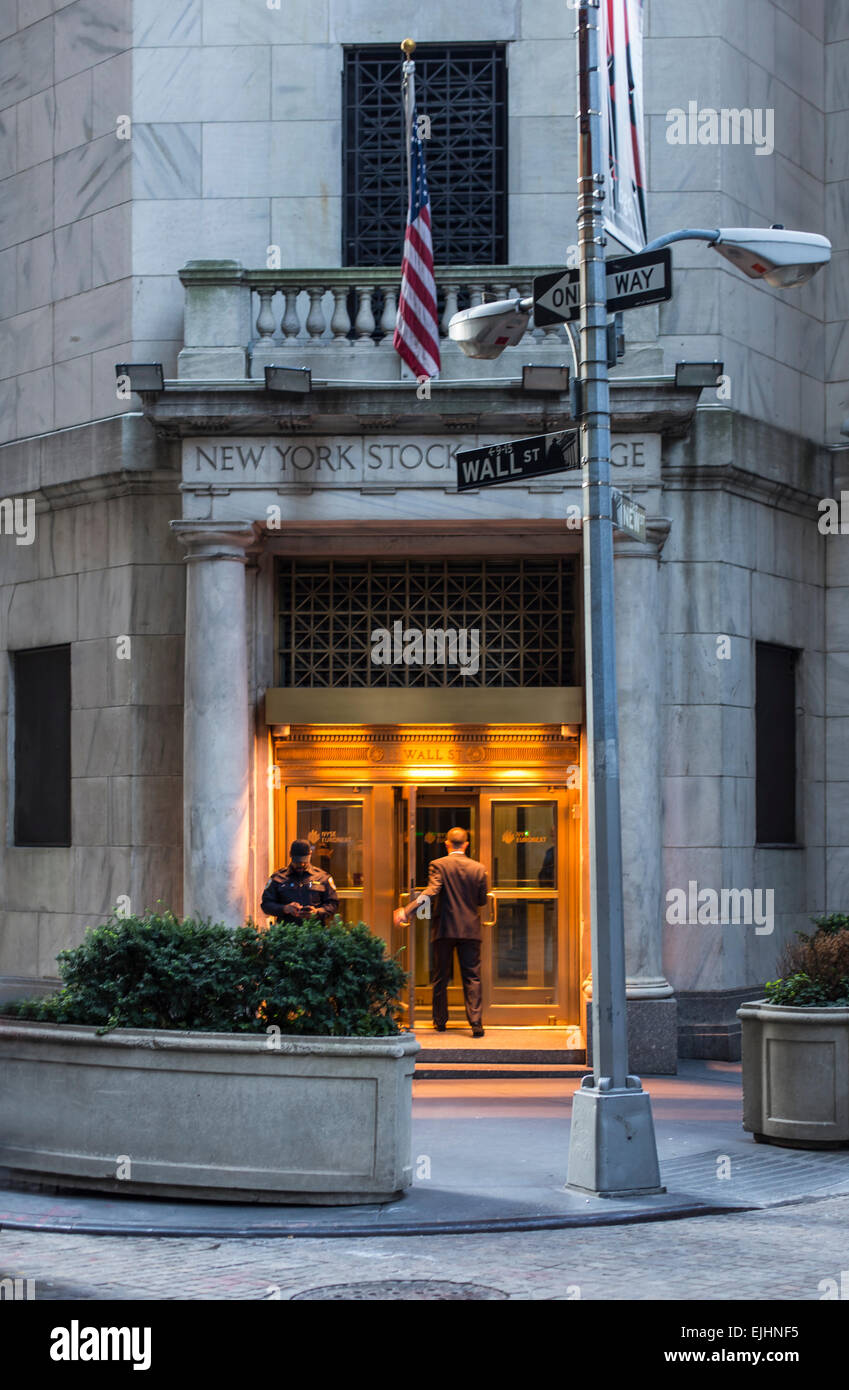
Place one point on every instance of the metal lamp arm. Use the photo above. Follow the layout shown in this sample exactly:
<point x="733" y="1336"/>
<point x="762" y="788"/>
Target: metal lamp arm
<point x="526" y="305"/>
<point x="685" y="234"/>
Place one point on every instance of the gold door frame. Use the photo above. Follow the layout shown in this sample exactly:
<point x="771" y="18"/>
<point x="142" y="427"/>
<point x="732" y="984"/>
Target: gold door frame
<point x="375" y="763"/>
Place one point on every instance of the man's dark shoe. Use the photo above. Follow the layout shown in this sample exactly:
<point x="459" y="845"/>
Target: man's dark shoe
<point x="477" y="1032"/>
<point x="439" y="1027"/>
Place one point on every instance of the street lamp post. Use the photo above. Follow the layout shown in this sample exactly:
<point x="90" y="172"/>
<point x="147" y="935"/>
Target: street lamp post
<point x="612" y="1148"/>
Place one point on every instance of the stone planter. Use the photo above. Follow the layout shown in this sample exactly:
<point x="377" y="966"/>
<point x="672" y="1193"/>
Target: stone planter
<point x="221" y="1116"/>
<point x="795" y="1074"/>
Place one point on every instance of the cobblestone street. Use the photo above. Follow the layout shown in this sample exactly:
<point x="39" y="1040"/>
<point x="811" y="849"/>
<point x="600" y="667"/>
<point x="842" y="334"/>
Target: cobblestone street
<point x="782" y="1253"/>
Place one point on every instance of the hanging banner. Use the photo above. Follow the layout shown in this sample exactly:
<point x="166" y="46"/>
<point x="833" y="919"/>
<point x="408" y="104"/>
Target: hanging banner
<point x="621" y="40"/>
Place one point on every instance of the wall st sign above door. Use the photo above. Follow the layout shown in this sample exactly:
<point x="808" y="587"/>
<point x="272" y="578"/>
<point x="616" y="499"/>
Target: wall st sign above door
<point x="365" y="460"/>
<point x="382" y="753"/>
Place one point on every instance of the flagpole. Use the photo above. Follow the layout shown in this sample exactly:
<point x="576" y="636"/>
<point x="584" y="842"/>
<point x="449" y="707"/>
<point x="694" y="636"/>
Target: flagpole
<point x="408" y="89"/>
<point x="416" y="336"/>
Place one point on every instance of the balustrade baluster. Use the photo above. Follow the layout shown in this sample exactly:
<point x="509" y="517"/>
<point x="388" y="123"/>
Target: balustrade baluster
<point x="340" y="323"/>
<point x="554" y="332"/>
<point x="525" y="291"/>
<point x="265" y="317"/>
<point x="290" y="325"/>
<point x="316" y="322"/>
<point x="389" y="314"/>
<point x="451" y="292"/>
<point x="364" y="324"/>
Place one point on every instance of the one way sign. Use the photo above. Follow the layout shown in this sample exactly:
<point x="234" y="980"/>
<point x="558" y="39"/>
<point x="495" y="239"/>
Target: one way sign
<point x="642" y="279"/>
<point x="631" y="281"/>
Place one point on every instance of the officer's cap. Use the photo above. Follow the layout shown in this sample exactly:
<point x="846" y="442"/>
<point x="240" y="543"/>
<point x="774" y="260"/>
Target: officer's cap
<point x="300" y="849"/>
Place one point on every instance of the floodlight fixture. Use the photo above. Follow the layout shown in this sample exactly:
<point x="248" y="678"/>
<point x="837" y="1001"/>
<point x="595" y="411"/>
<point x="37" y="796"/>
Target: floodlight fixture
<point x="698" y="374"/>
<point x="143" y="377"/>
<point x="289" y="379"/>
<point x="546" y="379"/>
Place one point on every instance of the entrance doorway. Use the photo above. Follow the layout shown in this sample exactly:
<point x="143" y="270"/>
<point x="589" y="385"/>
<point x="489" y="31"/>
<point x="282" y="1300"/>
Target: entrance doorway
<point x="378" y="841"/>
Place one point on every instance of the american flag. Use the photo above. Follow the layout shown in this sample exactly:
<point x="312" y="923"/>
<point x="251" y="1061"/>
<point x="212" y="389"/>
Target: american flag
<point x="416" y="337"/>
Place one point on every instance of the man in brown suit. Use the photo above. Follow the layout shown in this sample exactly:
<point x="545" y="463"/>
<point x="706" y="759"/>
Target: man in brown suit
<point x="459" y="886"/>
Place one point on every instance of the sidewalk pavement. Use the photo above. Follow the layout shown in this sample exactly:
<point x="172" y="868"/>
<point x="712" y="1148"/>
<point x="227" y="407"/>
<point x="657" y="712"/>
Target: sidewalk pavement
<point x="491" y="1155"/>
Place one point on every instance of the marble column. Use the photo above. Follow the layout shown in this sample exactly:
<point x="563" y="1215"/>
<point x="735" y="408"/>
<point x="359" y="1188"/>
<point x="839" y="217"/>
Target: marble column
<point x="215" y="732"/>
<point x="639" y="670"/>
<point x="652" y="1011"/>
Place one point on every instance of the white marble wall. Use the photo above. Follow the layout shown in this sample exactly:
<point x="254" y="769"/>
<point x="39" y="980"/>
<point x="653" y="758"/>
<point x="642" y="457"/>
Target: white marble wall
<point x="64" y="212"/>
<point x="740" y="567"/>
<point x="97" y="573"/>
<point x="837" y="706"/>
<point x="257" y="90"/>
<point x="837" y="216"/>
<point x="760" y="55"/>
<point x="236" y="146"/>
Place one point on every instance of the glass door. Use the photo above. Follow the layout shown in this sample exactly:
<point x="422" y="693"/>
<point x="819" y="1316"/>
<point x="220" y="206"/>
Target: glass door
<point x="378" y="841"/>
<point x="333" y="823"/>
<point x="530" y="954"/>
<point x="435" y="816"/>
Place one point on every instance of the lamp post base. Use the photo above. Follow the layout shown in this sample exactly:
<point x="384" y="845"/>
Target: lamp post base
<point x="612" y="1150"/>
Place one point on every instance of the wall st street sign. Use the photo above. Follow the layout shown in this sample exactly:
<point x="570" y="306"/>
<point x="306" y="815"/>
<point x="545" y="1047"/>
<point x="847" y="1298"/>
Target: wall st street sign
<point x="534" y="457"/>
<point x="631" y="281"/>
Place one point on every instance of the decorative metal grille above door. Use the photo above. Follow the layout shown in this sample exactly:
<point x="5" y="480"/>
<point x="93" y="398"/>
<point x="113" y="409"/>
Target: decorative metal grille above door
<point x="522" y="610"/>
<point x="462" y="89"/>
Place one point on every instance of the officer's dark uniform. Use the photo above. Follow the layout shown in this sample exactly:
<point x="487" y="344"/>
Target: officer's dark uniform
<point x="309" y="886"/>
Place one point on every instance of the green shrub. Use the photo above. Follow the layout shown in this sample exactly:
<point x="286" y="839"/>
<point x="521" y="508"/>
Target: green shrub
<point x="156" y="971"/>
<point x="815" y="968"/>
<point x="834" y="922"/>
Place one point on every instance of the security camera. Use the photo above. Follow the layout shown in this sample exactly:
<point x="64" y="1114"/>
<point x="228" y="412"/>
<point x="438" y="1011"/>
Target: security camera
<point x="488" y="329"/>
<point x="781" y="258"/>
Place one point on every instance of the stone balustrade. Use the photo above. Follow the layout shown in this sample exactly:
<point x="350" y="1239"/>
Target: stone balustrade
<point x="363" y="303"/>
<point x="237" y="321"/>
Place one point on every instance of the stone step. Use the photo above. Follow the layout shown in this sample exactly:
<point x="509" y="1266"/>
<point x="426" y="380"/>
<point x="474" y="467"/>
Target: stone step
<point x="476" y="1052"/>
<point x="471" y="1068"/>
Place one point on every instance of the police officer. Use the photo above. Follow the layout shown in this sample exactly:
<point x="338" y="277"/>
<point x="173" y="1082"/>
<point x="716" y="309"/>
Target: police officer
<point x="300" y="890"/>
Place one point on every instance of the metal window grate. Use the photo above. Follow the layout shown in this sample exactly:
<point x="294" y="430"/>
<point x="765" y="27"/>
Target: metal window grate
<point x="462" y="88"/>
<point x="523" y="611"/>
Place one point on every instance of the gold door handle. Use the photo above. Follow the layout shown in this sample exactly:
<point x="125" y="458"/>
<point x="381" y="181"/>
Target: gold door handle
<point x="494" y="918"/>
<point x="403" y="899"/>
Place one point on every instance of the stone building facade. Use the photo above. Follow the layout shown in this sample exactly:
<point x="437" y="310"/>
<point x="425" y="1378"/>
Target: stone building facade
<point x="178" y="188"/>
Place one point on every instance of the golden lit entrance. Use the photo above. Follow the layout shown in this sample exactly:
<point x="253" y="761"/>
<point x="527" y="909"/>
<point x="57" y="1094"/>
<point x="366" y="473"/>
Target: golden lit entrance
<point x="376" y="803"/>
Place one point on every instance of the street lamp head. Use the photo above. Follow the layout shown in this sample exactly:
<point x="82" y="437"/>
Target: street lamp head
<point x="781" y="258"/>
<point x="487" y="329"/>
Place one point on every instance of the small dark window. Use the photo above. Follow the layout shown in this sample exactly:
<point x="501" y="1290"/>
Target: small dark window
<point x="462" y="89"/>
<point x="775" y="744"/>
<point x="42" y="746"/>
